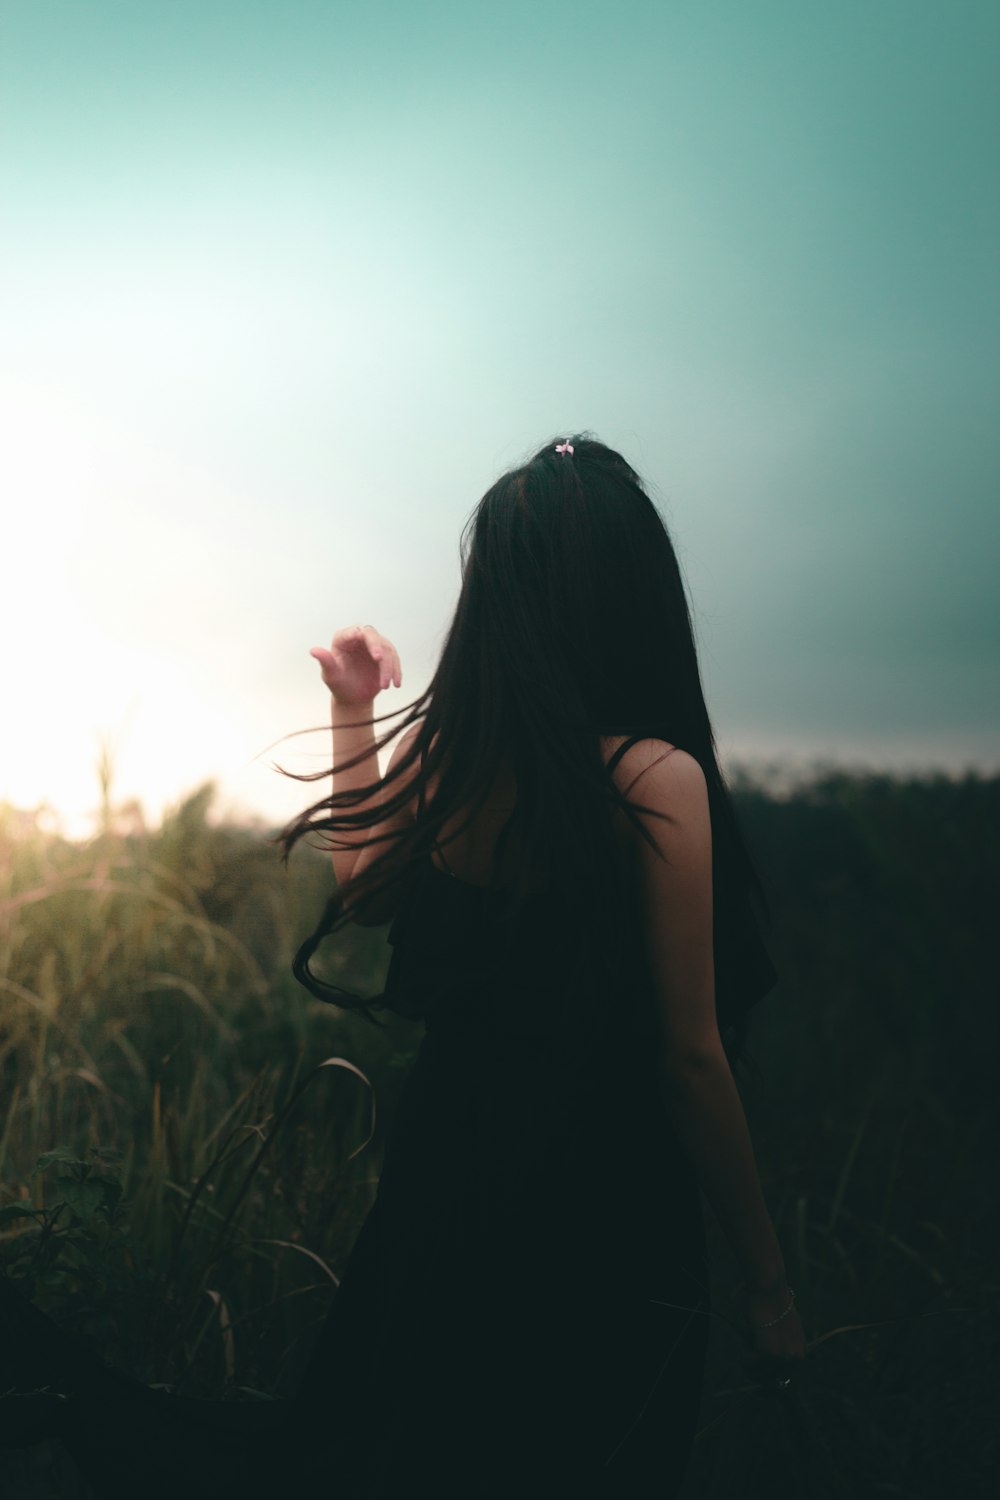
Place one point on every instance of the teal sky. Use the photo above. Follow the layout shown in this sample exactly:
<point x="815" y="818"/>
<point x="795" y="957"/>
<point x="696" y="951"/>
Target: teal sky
<point x="285" y="285"/>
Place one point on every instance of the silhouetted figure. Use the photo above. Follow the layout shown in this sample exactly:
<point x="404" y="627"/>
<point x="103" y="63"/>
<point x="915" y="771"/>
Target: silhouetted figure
<point x="525" y="1311"/>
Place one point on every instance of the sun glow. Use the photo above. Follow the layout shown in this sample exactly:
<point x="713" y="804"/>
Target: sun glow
<point x="81" y="683"/>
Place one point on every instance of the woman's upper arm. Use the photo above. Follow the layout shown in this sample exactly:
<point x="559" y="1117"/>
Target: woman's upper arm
<point x="675" y="895"/>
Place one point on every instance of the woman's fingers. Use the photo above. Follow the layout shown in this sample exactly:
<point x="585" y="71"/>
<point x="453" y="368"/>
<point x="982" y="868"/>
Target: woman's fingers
<point x="382" y="650"/>
<point x="378" y="647"/>
<point x="325" y="658"/>
<point x="390" y="663"/>
<point x="394" y="670"/>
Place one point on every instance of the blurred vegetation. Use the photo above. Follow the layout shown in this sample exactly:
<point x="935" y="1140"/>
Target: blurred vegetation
<point x="147" y="1008"/>
<point x="181" y="1177"/>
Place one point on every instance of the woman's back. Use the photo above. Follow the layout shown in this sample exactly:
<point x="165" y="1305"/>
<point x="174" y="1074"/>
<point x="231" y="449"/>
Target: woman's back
<point x="470" y="851"/>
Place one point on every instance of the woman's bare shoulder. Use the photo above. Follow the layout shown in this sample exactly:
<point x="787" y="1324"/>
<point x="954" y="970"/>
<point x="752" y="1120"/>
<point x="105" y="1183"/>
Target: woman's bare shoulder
<point x="680" y="770"/>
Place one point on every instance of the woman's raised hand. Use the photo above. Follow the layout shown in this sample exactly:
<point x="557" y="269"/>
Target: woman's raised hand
<point x="358" y="664"/>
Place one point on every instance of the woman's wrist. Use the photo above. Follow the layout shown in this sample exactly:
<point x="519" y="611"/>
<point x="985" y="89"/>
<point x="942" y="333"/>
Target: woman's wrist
<point x="349" y="712"/>
<point x="763" y="1314"/>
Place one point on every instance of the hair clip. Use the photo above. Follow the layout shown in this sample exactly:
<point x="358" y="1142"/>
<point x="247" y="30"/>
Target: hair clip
<point x="566" y="447"/>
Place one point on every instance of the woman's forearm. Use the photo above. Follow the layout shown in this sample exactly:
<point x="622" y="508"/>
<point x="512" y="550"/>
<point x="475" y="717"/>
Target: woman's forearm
<point x="347" y="743"/>
<point x="705" y="1108"/>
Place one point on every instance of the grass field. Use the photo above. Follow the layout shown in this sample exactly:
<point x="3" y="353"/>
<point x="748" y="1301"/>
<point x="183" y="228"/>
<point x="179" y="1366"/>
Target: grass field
<point x="189" y="1142"/>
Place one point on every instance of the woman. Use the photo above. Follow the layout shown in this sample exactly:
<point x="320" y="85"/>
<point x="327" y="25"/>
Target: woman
<point x="526" y="1307"/>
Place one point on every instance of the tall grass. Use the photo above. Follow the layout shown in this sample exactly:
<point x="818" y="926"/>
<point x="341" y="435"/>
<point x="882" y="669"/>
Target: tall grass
<point x="147" y="1010"/>
<point x="188" y="1142"/>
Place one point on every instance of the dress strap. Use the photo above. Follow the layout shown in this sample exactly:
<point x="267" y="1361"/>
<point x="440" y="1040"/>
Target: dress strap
<point x="634" y="740"/>
<point x="625" y="745"/>
<point x="448" y="870"/>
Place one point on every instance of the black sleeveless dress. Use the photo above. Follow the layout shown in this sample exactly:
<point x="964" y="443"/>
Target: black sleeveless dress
<point x="525" y="1310"/>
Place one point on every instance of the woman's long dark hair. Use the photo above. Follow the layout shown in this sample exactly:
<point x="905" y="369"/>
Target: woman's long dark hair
<point x="572" y="623"/>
